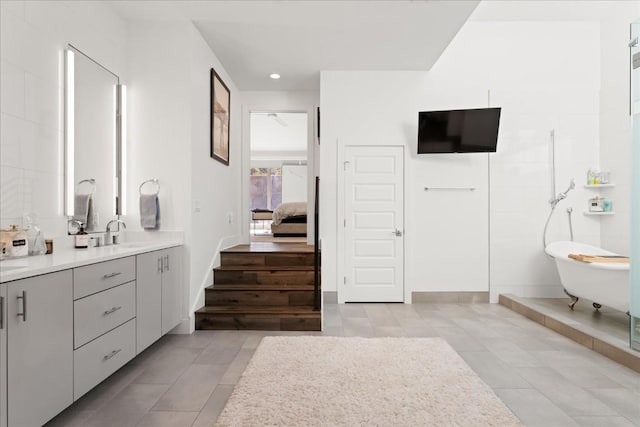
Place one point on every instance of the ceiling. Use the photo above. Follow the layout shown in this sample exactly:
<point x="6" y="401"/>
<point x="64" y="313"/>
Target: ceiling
<point x="279" y="132"/>
<point x="299" y="38"/>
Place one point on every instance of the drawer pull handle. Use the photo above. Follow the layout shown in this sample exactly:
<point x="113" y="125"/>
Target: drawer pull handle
<point x="113" y="353"/>
<point x="113" y="310"/>
<point x="109" y="276"/>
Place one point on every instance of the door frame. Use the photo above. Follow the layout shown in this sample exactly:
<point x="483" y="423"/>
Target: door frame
<point x="312" y="165"/>
<point x="340" y="205"/>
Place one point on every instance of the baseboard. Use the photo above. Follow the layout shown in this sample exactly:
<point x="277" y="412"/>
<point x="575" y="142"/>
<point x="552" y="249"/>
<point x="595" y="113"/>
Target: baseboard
<point x="449" y="297"/>
<point x="330" y="297"/>
<point x="186" y="326"/>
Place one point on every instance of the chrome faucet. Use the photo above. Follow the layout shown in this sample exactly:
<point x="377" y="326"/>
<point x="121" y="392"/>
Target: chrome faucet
<point x="108" y="239"/>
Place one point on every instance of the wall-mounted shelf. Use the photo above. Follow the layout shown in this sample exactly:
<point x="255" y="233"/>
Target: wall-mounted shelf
<point x="599" y="185"/>
<point x="598" y="213"/>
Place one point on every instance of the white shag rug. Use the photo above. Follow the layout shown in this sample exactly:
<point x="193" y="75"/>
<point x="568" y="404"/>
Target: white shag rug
<point x="336" y="381"/>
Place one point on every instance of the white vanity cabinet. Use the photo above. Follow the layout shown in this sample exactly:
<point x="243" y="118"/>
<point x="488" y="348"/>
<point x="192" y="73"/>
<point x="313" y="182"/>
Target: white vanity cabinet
<point x="171" y="288"/>
<point x="159" y="296"/>
<point x="39" y="332"/>
<point x="64" y="331"/>
<point x="3" y="356"/>
<point x="104" y="311"/>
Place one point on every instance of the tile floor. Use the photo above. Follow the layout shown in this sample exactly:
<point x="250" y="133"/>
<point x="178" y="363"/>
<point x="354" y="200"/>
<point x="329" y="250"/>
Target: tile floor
<point x="606" y="321"/>
<point x="546" y="379"/>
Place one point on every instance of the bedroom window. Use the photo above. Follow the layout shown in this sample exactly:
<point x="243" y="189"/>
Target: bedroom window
<point x="266" y="188"/>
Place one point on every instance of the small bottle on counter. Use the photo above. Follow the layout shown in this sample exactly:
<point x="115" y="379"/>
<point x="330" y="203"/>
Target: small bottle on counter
<point x="49" y="245"/>
<point x="82" y="238"/>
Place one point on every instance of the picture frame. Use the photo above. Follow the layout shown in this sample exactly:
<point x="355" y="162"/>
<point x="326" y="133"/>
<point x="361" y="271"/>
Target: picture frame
<point x="220" y="118"/>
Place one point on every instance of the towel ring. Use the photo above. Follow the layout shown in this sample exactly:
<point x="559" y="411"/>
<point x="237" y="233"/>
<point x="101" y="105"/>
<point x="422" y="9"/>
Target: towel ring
<point x="89" y="181"/>
<point x="150" y="181"/>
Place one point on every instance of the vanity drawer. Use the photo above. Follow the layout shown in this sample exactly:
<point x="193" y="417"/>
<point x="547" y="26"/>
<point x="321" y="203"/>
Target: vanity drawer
<point x="100" y="358"/>
<point x="94" y="278"/>
<point x="99" y="313"/>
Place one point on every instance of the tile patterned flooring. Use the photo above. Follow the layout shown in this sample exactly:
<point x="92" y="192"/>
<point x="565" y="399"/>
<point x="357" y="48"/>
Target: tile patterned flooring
<point x="546" y="379"/>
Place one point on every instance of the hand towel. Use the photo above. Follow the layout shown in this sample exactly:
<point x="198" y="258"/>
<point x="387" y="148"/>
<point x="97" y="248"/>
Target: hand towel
<point x="83" y="208"/>
<point x="149" y="211"/>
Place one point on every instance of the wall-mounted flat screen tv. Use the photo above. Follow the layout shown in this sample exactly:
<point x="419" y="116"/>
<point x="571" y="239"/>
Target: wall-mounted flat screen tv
<point x="458" y="131"/>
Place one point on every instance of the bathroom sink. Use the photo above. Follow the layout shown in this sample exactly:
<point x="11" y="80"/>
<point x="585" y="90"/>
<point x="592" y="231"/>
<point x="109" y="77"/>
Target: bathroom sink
<point x="132" y="245"/>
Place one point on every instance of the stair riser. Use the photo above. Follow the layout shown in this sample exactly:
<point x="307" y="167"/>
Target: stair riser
<point x="265" y="259"/>
<point x="259" y="298"/>
<point x="257" y="322"/>
<point x="263" y="277"/>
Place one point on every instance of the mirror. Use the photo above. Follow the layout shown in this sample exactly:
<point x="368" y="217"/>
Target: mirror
<point x="92" y="143"/>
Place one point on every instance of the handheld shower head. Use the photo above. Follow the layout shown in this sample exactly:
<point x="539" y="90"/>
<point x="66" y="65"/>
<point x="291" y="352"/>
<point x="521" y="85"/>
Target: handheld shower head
<point x="572" y="185"/>
<point x="563" y="195"/>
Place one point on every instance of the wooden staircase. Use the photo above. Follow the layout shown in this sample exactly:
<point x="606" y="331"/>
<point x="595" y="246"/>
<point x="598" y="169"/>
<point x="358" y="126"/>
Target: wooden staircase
<point x="262" y="286"/>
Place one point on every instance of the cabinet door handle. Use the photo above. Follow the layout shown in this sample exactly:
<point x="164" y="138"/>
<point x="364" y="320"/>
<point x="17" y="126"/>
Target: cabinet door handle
<point x="23" y="297"/>
<point x="113" y="353"/>
<point x="160" y="265"/>
<point x="166" y="262"/>
<point x="109" y="276"/>
<point x="1" y="312"/>
<point x="113" y="310"/>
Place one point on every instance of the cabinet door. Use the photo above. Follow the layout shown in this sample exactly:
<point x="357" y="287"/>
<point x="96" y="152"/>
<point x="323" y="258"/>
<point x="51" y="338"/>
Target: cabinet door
<point x="171" y="288"/>
<point x="148" y="299"/>
<point x="40" y="348"/>
<point x="3" y="356"/>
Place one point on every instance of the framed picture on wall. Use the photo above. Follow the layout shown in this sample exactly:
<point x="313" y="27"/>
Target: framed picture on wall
<point x="220" y="113"/>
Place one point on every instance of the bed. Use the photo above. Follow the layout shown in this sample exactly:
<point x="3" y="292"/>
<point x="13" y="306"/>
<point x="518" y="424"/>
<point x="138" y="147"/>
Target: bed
<point x="290" y="220"/>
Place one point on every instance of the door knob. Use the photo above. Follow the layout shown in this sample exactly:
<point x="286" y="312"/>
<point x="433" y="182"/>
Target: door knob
<point x="397" y="232"/>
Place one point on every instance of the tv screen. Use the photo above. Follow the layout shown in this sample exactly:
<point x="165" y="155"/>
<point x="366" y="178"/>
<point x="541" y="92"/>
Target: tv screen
<point x="458" y="131"/>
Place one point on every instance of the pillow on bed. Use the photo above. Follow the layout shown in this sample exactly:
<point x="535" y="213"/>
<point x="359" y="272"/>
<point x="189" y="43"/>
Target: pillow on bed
<point x="289" y="209"/>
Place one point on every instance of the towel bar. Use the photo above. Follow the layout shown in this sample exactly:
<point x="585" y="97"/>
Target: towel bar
<point x="89" y="181"/>
<point x="450" y="188"/>
<point x="150" y="181"/>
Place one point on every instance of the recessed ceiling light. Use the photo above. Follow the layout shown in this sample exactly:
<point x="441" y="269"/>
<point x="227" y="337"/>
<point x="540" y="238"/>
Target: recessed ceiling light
<point x="274" y="76"/>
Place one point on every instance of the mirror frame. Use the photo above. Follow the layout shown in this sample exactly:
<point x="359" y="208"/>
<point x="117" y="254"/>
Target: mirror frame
<point x="69" y="138"/>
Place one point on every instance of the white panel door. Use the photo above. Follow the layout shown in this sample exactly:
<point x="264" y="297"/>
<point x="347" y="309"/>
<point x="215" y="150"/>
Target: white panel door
<point x="373" y="224"/>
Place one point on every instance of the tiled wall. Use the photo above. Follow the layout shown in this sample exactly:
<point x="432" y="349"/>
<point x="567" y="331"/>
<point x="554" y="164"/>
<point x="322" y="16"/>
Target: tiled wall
<point x="33" y="37"/>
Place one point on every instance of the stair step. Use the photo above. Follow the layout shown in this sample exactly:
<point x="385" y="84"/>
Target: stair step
<point x="265" y="268"/>
<point x="288" y="318"/>
<point x="240" y="287"/>
<point x="271" y="247"/>
<point x="263" y="277"/>
<point x="242" y="309"/>
<point x="272" y="297"/>
<point x="257" y="259"/>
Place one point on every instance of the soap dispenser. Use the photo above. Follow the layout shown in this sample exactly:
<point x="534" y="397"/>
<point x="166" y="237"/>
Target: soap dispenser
<point x="82" y="238"/>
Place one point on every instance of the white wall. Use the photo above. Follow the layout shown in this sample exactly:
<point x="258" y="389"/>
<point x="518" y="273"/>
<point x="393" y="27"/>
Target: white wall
<point x="169" y="140"/>
<point x="298" y="101"/>
<point x="33" y="36"/>
<point x="615" y="149"/>
<point x="159" y="127"/>
<point x="545" y="76"/>
<point x="294" y="183"/>
<point x="216" y="191"/>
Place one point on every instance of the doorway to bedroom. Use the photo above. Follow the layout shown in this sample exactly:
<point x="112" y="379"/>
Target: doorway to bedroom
<point x="279" y="178"/>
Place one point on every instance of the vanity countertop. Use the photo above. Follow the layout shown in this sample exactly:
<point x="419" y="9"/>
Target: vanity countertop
<point x="21" y="268"/>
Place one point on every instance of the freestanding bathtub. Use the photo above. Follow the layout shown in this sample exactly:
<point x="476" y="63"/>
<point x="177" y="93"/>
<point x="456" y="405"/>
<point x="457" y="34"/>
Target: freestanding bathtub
<point x="603" y="283"/>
